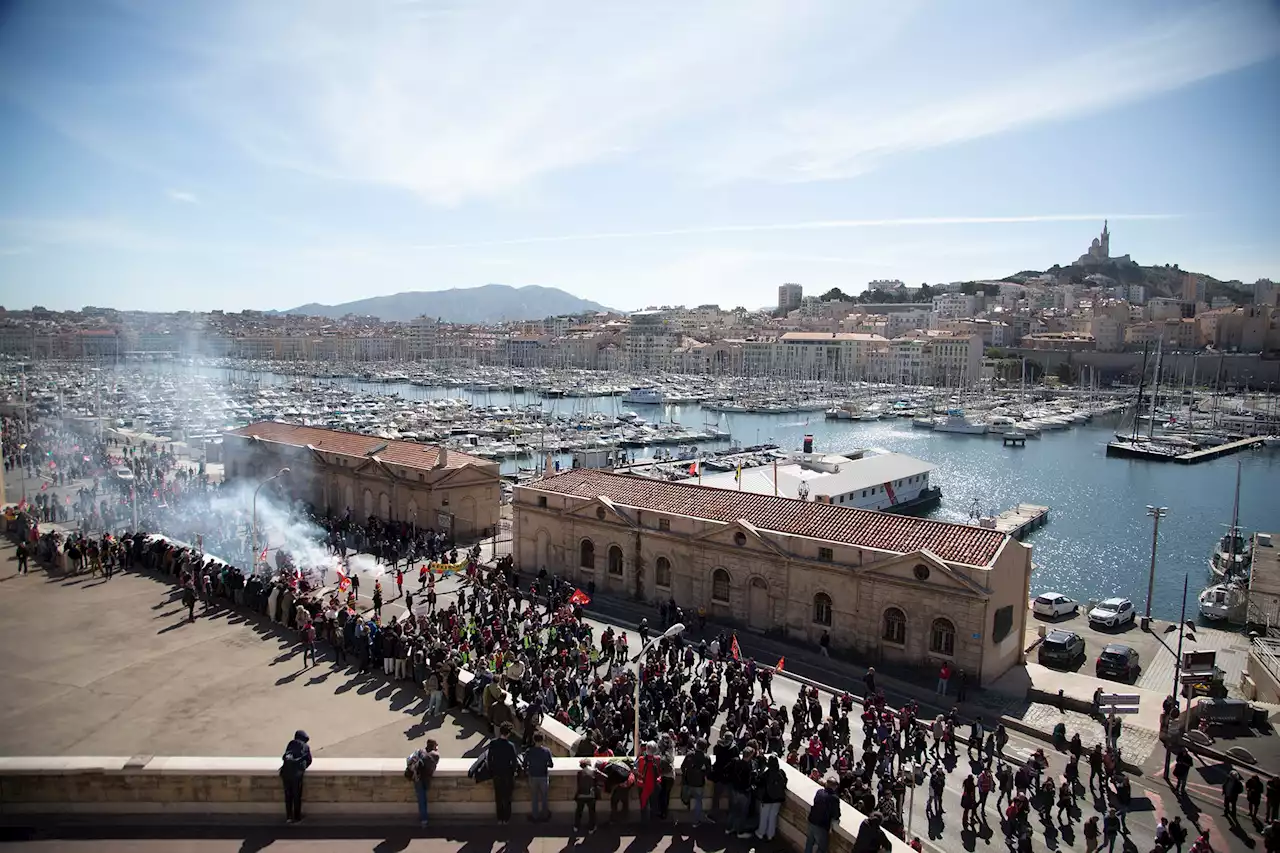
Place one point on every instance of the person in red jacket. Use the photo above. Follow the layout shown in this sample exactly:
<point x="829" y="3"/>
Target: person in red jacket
<point x="944" y="677"/>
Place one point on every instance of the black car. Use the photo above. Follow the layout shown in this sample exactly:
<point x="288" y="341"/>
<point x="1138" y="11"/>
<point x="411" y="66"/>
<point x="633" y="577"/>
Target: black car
<point x="1117" y="661"/>
<point x="1061" y="648"/>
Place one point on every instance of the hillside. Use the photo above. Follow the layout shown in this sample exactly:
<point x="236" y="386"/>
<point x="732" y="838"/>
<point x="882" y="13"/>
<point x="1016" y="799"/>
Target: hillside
<point x="491" y="303"/>
<point x="1159" y="280"/>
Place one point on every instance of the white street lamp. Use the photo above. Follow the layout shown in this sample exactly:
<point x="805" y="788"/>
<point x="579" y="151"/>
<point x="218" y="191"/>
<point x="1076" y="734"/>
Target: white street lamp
<point x="253" y="556"/>
<point x="1156" y="513"/>
<point x="673" y="631"/>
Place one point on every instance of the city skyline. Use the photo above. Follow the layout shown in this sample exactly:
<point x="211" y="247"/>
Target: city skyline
<point x="261" y="156"/>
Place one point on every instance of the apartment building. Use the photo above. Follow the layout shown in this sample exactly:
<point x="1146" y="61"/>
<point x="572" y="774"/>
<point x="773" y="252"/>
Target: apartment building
<point x="789" y="297"/>
<point x="824" y="356"/>
<point x="650" y="340"/>
<point x="956" y="304"/>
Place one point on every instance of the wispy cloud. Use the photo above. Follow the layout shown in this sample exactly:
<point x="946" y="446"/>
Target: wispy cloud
<point x="182" y="196"/>
<point x="845" y="136"/>
<point x="813" y="225"/>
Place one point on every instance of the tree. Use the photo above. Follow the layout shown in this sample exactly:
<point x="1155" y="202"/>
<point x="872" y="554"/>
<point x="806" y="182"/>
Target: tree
<point x="835" y="294"/>
<point x="925" y="294"/>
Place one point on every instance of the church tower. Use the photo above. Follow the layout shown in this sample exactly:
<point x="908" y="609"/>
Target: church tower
<point x="1106" y="240"/>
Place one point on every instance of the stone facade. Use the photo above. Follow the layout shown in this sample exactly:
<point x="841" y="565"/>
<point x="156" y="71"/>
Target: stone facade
<point x="909" y="607"/>
<point x="426" y="485"/>
<point x="334" y="787"/>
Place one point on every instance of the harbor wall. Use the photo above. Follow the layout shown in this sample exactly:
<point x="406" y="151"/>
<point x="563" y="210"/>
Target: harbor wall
<point x="351" y="788"/>
<point x="1237" y="368"/>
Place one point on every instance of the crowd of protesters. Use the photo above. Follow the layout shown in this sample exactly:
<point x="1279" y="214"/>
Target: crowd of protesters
<point x="703" y="706"/>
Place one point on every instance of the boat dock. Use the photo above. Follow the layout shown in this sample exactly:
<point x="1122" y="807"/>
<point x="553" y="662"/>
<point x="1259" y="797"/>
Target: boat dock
<point x="1154" y="451"/>
<point x="1220" y="450"/>
<point x="1017" y="522"/>
<point x="1014" y="439"/>
<point x="1264" y="583"/>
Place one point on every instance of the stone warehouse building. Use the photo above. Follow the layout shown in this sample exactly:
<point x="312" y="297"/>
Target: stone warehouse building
<point x="895" y="589"/>
<point x="426" y="485"/>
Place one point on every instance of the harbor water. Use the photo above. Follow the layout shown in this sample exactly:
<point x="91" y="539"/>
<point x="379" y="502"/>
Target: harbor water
<point x="1098" y="540"/>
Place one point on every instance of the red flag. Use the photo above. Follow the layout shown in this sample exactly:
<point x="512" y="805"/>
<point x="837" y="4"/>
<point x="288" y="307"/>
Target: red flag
<point x="44" y="487"/>
<point x="580" y="597"/>
<point x="693" y="470"/>
<point x="781" y="661"/>
<point x="733" y="647"/>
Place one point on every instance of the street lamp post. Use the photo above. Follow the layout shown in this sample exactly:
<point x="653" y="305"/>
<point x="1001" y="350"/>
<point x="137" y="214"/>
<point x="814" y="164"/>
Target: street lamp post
<point x="1177" y="675"/>
<point x="253" y="555"/>
<point x="673" y="631"/>
<point x="1156" y="513"/>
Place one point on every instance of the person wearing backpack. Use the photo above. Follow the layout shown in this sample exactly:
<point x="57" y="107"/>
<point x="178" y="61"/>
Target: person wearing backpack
<point x="773" y="792"/>
<point x="293" y="767"/>
<point x="419" y="768"/>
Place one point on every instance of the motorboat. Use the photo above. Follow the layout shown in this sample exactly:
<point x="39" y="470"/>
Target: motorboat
<point x="644" y="395"/>
<point x="956" y="421"/>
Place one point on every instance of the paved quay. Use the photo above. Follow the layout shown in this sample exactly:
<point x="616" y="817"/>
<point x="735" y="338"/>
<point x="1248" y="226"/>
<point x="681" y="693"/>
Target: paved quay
<point x="96" y="667"/>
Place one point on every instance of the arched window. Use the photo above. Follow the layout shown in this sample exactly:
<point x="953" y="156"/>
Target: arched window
<point x="942" y="639"/>
<point x="719" y="585"/>
<point x="895" y="626"/>
<point x="587" y="553"/>
<point x="822" y="609"/>
<point x="615" y="560"/>
<point x="662" y="572"/>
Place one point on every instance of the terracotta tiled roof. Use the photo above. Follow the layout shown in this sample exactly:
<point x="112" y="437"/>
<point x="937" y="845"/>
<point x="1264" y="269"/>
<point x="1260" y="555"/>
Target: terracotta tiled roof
<point x="957" y="543"/>
<point x="407" y="453"/>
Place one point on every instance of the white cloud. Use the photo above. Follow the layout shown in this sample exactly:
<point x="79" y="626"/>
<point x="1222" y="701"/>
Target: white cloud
<point x="182" y="196"/>
<point x="486" y="99"/>
<point x="812" y="225"/>
<point x="846" y="136"/>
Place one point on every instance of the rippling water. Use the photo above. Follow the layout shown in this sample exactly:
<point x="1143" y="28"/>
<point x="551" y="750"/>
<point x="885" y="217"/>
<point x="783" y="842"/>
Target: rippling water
<point x="1097" y="542"/>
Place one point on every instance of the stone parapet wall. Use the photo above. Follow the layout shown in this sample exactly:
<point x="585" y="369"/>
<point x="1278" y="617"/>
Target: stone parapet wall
<point x="334" y="787"/>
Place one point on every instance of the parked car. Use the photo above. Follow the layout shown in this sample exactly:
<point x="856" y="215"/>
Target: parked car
<point x="1118" y="661"/>
<point x="1112" y="613"/>
<point x="1061" y="648"/>
<point x="1054" y="604"/>
<point x="122" y="474"/>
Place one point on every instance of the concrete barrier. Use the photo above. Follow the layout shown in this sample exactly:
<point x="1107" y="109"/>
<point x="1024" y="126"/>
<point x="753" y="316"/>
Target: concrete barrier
<point x="40" y="789"/>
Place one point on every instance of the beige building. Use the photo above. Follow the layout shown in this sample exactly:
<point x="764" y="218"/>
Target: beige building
<point x="426" y="485"/>
<point x="893" y="588"/>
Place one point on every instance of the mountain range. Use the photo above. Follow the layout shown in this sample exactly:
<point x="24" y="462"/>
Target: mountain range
<point x="491" y="303"/>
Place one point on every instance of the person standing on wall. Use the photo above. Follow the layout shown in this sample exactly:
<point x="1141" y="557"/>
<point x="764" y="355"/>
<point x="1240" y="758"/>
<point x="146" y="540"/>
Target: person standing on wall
<point x="293" y="767"/>
<point x="502" y="758"/>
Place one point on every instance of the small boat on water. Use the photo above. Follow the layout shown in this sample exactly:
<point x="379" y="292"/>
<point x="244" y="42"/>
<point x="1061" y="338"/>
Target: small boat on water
<point x="1233" y="555"/>
<point x="1224" y="602"/>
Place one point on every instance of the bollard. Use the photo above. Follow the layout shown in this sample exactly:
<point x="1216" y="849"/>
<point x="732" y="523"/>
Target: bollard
<point x="1062" y="701"/>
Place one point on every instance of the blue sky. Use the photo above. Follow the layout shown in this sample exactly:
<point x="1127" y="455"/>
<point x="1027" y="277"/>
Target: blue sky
<point x="246" y="154"/>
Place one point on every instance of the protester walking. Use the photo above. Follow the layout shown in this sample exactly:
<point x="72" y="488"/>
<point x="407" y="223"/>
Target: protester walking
<point x="293" y="768"/>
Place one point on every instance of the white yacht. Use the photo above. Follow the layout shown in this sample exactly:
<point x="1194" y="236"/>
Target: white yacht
<point x="958" y="421"/>
<point x="1224" y="602"/>
<point x="644" y="395"/>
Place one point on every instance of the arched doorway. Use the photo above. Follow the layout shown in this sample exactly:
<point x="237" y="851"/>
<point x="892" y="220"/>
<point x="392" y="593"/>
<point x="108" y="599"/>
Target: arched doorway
<point x="368" y="505"/>
<point x="348" y="498"/>
<point x="384" y="506"/>
<point x="758" y="605"/>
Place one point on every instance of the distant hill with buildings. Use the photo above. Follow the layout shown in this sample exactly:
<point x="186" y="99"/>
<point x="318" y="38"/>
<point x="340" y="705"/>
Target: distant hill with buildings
<point x="491" y="303"/>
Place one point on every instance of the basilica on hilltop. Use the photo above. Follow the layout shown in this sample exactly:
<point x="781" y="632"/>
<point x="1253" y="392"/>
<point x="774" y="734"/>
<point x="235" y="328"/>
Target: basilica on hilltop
<point x="1100" y="251"/>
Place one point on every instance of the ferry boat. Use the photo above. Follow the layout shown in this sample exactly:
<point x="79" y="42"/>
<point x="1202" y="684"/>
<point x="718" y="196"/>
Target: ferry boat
<point x="644" y="395"/>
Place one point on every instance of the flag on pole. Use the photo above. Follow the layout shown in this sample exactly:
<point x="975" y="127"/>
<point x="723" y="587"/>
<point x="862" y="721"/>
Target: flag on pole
<point x="733" y="647"/>
<point x="781" y="661"/>
<point x="343" y="581"/>
<point x="580" y="597"/>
